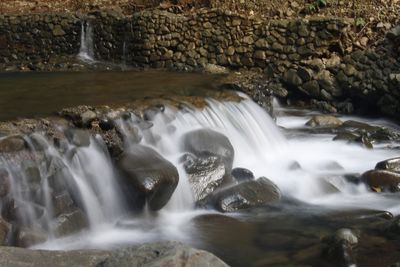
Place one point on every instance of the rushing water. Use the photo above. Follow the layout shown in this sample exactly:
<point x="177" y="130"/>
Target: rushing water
<point x="260" y="146"/>
<point x="86" y="51"/>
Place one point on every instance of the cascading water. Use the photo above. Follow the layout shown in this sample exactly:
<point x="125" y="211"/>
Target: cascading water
<point x="260" y="146"/>
<point x="86" y="51"/>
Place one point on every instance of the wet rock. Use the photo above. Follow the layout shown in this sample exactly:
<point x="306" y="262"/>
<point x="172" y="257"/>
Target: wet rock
<point x="242" y="174"/>
<point x="62" y="203"/>
<point x="150" y="113"/>
<point x="39" y="143"/>
<point x="12" y="144"/>
<point x="5" y="231"/>
<point x="381" y="180"/>
<point x="341" y="247"/>
<point x="205" y="174"/>
<point x="246" y="195"/>
<point x="389" y="165"/>
<point x="78" y="137"/>
<point x="150" y="174"/>
<point x="88" y="116"/>
<point x="5" y="183"/>
<point x="162" y="254"/>
<point x="393" y="230"/>
<point x="70" y="223"/>
<point x="27" y="237"/>
<point x="208" y="142"/>
<point x="324" y="121"/>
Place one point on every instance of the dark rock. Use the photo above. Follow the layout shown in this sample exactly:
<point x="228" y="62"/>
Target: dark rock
<point x="150" y="113"/>
<point x="312" y="88"/>
<point x="150" y="174"/>
<point x="341" y="247"/>
<point x="382" y="180"/>
<point x="389" y="165"/>
<point x="246" y="195"/>
<point x="70" y="223"/>
<point x="208" y="142"/>
<point x="292" y="78"/>
<point x="242" y="174"/>
<point x="393" y="230"/>
<point x="205" y="174"/>
<point x="12" y="144"/>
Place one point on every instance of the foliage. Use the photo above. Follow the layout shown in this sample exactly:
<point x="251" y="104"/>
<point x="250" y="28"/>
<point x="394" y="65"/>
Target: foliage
<point x="359" y="22"/>
<point x="316" y="5"/>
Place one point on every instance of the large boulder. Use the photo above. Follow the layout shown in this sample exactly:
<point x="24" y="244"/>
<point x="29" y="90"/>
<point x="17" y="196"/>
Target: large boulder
<point x="382" y="180"/>
<point x="389" y="165"/>
<point x="208" y="142"/>
<point x="150" y="174"/>
<point x="249" y="194"/>
<point x="205" y="174"/>
<point x="166" y="254"/>
<point x="5" y="230"/>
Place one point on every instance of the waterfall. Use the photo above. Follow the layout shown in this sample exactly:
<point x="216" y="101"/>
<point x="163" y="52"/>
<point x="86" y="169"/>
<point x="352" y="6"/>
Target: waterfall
<point x="259" y="144"/>
<point x="86" y="51"/>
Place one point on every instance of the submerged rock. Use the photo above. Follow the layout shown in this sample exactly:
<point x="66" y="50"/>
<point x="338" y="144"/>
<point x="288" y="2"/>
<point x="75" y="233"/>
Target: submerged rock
<point x="341" y="247"/>
<point x="208" y="142"/>
<point x="150" y="174"/>
<point x="5" y="183"/>
<point x="382" y="180"/>
<point x="205" y="174"/>
<point x="324" y="121"/>
<point x="246" y="195"/>
<point x="72" y="222"/>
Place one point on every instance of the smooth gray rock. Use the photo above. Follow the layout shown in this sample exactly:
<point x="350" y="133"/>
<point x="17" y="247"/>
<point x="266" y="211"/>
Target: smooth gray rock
<point x="165" y="254"/>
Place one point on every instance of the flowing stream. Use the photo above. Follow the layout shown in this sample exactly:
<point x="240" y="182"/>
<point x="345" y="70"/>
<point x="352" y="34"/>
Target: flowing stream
<point x="266" y="147"/>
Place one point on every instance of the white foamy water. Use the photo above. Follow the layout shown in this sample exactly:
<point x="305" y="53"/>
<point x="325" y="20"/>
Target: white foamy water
<point x="260" y="146"/>
<point x="86" y="51"/>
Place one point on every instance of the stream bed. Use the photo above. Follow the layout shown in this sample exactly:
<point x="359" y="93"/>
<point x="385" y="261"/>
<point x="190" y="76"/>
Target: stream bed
<point x="308" y="167"/>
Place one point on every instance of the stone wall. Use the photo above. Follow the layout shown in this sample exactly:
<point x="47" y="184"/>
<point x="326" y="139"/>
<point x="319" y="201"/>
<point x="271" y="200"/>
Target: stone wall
<point x="310" y="58"/>
<point x="38" y="38"/>
<point x="162" y="39"/>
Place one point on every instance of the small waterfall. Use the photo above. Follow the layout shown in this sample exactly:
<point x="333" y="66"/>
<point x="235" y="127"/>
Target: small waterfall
<point x="47" y="184"/>
<point x="87" y="176"/>
<point x="86" y="51"/>
<point x="124" y="54"/>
